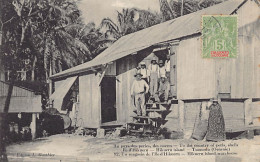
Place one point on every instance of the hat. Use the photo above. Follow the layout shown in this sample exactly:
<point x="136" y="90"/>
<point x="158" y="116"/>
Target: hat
<point x="163" y="76"/>
<point x="142" y="63"/>
<point x="138" y="73"/>
<point x="161" y="62"/>
<point x="215" y="100"/>
<point x="154" y="59"/>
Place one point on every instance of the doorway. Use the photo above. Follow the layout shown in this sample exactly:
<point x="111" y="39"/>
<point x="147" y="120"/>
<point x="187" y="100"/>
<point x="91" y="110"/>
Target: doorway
<point x="108" y="99"/>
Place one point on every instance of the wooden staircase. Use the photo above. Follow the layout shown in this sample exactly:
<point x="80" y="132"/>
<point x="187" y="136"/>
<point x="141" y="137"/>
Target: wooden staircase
<point x="149" y="125"/>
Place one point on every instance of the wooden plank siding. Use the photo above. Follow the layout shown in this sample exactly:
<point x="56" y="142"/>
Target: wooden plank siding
<point x="111" y="70"/>
<point x="191" y="112"/>
<point x="255" y="106"/>
<point x="223" y="77"/>
<point x="89" y="114"/>
<point x="124" y="104"/>
<point x="245" y="69"/>
<point x="17" y="91"/>
<point x="234" y="114"/>
<point x="25" y="104"/>
<point x="195" y="75"/>
<point x="22" y="100"/>
<point x="172" y="121"/>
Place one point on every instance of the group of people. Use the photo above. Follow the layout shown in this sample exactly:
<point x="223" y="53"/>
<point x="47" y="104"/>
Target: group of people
<point x="152" y="83"/>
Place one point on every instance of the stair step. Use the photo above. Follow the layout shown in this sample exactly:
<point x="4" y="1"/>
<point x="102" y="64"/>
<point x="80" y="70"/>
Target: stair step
<point x="153" y="107"/>
<point x="158" y="103"/>
<point x="155" y="110"/>
<point x="136" y="131"/>
<point x="145" y="117"/>
<point x="141" y="131"/>
<point x="144" y="124"/>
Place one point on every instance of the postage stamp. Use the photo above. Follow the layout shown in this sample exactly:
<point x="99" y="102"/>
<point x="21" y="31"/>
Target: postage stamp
<point x="219" y="36"/>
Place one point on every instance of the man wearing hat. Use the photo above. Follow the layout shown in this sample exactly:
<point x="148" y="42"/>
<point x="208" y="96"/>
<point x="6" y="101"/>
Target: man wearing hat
<point x="164" y="90"/>
<point x="154" y="74"/>
<point x="138" y="91"/>
<point x="144" y="71"/>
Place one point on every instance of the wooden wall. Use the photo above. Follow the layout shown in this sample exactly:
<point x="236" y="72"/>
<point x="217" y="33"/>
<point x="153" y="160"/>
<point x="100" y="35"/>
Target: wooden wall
<point x="23" y="104"/>
<point x="234" y="114"/>
<point x="241" y="76"/>
<point x="124" y="104"/>
<point x="195" y="75"/>
<point x="17" y="91"/>
<point x="90" y="101"/>
<point x="172" y="119"/>
<point x="111" y="69"/>
<point x="191" y="112"/>
<point x="22" y="100"/>
<point x="199" y="78"/>
<point x="255" y="106"/>
<point x="245" y="74"/>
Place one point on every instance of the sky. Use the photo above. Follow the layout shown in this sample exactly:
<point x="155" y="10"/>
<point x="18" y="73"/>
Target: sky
<point x="96" y="10"/>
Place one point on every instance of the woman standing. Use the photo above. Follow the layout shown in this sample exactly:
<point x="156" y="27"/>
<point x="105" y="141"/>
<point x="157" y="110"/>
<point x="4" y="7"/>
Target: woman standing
<point x="216" y="123"/>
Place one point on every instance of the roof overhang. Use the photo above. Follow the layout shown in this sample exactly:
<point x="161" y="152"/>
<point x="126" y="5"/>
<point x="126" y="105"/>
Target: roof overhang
<point x="77" y="72"/>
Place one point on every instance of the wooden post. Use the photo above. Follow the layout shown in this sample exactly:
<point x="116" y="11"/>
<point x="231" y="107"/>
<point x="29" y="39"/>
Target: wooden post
<point x="173" y="73"/>
<point x="248" y="112"/>
<point x="33" y="126"/>
<point x="181" y="115"/>
<point x="50" y="87"/>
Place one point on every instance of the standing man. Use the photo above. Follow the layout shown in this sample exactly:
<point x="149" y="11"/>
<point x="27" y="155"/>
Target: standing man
<point x="162" y="70"/>
<point x="164" y="90"/>
<point x="138" y="91"/>
<point x="154" y="74"/>
<point x="168" y="67"/>
<point x="145" y="72"/>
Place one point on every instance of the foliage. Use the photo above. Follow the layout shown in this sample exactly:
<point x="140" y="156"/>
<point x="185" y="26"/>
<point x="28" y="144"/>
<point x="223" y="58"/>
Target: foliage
<point x="40" y="31"/>
<point x="129" y="21"/>
<point x="171" y="9"/>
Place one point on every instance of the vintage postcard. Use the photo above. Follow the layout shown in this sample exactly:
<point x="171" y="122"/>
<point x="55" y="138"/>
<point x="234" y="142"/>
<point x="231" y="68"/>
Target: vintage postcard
<point x="130" y="80"/>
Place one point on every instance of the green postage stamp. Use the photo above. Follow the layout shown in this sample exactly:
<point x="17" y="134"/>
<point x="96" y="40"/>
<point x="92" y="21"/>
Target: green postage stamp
<point x="219" y="36"/>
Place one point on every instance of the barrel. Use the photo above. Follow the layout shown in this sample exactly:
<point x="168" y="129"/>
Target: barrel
<point x="66" y="120"/>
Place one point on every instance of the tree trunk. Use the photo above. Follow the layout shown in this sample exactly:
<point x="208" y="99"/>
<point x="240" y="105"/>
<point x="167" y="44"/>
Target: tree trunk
<point x="3" y="155"/>
<point x="24" y="28"/>
<point x="4" y="123"/>
<point x="33" y="68"/>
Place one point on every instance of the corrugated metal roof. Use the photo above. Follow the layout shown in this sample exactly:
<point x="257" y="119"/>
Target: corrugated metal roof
<point x="173" y="29"/>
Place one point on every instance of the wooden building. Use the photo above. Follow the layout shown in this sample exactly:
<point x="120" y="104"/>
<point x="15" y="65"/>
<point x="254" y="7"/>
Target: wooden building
<point x="23" y="101"/>
<point x="104" y="83"/>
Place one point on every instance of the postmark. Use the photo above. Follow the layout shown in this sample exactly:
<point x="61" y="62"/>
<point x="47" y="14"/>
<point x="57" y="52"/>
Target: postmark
<point x="219" y="36"/>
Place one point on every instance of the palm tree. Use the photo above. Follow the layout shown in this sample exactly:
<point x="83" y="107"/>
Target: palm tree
<point x="171" y="9"/>
<point x="147" y="18"/>
<point x="60" y="49"/>
<point x="124" y="25"/>
<point x="129" y="21"/>
<point x="91" y="36"/>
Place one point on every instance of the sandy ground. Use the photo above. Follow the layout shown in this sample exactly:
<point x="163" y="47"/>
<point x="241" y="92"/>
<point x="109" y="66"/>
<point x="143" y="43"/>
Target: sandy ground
<point x="68" y="147"/>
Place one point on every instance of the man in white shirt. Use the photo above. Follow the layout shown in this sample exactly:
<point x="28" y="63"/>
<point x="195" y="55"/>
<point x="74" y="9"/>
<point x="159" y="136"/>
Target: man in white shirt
<point x="154" y="75"/>
<point x="162" y="70"/>
<point x="138" y="91"/>
<point x="144" y="71"/>
<point x="168" y="67"/>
